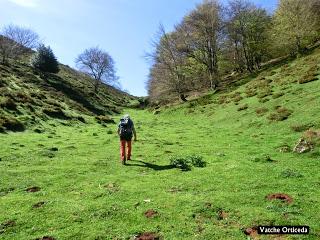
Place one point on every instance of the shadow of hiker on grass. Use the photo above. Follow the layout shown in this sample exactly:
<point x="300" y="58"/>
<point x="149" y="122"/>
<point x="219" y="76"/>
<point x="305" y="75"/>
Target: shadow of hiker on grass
<point x="148" y="165"/>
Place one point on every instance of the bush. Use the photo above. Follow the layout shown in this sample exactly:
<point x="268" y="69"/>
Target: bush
<point x="281" y="114"/>
<point x="277" y="95"/>
<point x="243" y="107"/>
<point x="186" y="162"/>
<point x="45" y="60"/>
<point x="312" y="136"/>
<point x="250" y="92"/>
<point x="197" y="161"/>
<point x="261" y="111"/>
<point x="301" y="127"/>
<point x="289" y="173"/>
<point x="2" y="83"/>
<point x="9" y="104"/>
<point x="11" y="124"/>
<point x="56" y="113"/>
<point x="104" y="119"/>
<point x="310" y="76"/>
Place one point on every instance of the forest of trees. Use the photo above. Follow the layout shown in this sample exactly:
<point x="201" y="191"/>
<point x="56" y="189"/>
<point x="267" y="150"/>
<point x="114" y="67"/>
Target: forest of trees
<point x="215" y="40"/>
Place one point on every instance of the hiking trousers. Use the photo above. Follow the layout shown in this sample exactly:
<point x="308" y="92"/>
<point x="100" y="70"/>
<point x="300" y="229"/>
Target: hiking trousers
<point x="123" y="152"/>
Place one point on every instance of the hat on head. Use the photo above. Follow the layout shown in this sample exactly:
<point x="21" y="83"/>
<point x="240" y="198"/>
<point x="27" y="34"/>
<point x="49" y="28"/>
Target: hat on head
<point x="126" y="116"/>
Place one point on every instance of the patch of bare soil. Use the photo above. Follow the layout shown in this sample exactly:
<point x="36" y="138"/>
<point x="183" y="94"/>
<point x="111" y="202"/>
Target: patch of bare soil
<point x="148" y="236"/>
<point x="252" y="232"/>
<point x="222" y="215"/>
<point x="280" y="196"/>
<point x="5" y="225"/>
<point x="38" y="205"/>
<point x="10" y="223"/>
<point x="33" y="189"/>
<point x="150" y="213"/>
<point x="46" y="238"/>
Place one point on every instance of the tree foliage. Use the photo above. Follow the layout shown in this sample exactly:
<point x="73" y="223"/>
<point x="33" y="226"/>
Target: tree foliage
<point x="246" y="35"/>
<point x="296" y="24"/>
<point x="44" y="60"/>
<point x="215" y="40"/>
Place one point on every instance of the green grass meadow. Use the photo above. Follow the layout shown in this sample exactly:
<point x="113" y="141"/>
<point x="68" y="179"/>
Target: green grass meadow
<point x="85" y="193"/>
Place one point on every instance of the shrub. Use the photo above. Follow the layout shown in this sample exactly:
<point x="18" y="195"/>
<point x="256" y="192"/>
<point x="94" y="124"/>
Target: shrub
<point x="56" y="113"/>
<point x="81" y="119"/>
<point x="301" y="127"/>
<point x="2" y="83"/>
<point x="281" y="114"/>
<point x="263" y="100"/>
<point x="9" y="104"/>
<point x="104" y="119"/>
<point x="312" y="136"/>
<point x="277" y="95"/>
<point x="263" y="158"/>
<point x="289" y="173"/>
<point x="243" y="107"/>
<point x="261" y="111"/>
<point x="11" y="124"/>
<point x="186" y="162"/>
<point x="45" y="60"/>
<point x="180" y="162"/>
<point x="197" y="161"/>
<point x="310" y="76"/>
<point x="265" y="92"/>
<point x="250" y="92"/>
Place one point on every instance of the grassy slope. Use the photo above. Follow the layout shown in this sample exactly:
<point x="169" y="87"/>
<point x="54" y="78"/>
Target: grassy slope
<point x="89" y="195"/>
<point x="67" y="94"/>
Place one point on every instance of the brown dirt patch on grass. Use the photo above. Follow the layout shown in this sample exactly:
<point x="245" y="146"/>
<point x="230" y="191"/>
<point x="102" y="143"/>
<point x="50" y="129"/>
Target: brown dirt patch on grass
<point x="148" y="236"/>
<point x="150" y="213"/>
<point x="280" y="196"/>
<point x="38" y="205"/>
<point x="252" y="232"/>
<point x="46" y="238"/>
<point x="33" y="189"/>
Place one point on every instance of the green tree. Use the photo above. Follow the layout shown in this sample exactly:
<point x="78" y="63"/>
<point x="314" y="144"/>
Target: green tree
<point x="45" y="60"/>
<point x="246" y="27"/>
<point x="295" y="24"/>
<point x="201" y="30"/>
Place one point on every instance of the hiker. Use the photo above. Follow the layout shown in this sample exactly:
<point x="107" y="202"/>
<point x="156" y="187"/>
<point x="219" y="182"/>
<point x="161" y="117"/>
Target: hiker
<point x="125" y="132"/>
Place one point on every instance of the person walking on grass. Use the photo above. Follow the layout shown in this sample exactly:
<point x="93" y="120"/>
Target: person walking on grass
<point x="125" y="131"/>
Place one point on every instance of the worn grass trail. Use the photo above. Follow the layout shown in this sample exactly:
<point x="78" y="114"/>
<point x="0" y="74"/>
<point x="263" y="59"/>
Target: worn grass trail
<point x="85" y="193"/>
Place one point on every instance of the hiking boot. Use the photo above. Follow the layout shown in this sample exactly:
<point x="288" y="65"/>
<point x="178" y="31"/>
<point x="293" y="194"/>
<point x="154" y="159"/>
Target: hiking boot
<point x="129" y="158"/>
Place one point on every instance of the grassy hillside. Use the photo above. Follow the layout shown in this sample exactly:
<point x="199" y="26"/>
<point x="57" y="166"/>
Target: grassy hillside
<point x="27" y="100"/>
<point x="68" y="183"/>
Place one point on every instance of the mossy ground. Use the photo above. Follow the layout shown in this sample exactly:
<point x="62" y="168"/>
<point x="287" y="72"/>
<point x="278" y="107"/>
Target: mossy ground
<point x="88" y="194"/>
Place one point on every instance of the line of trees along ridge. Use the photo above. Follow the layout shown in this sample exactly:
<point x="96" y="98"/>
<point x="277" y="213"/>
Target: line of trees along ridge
<point x="215" y="40"/>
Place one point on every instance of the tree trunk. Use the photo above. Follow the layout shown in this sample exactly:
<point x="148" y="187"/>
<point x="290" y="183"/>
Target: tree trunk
<point x="96" y="87"/>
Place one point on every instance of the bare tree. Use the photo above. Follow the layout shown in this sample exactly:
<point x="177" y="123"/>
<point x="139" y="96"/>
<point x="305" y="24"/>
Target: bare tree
<point x="169" y="59"/>
<point x="99" y="65"/>
<point x="7" y="47"/>
<point x="25" y="37"/>
<point x="16" y="40"/>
